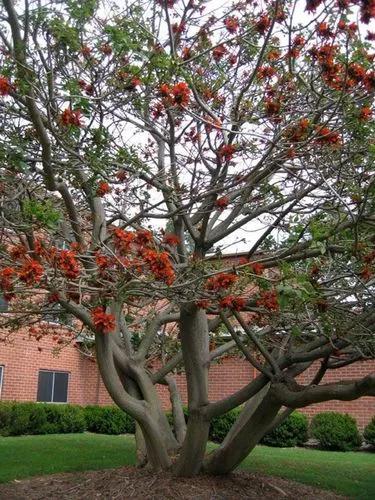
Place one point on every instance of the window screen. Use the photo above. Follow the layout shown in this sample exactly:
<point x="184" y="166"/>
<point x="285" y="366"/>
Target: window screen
<point x="53" y="386"/>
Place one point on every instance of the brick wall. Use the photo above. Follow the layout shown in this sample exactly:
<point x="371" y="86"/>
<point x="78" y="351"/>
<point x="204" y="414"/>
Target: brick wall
<point x="362" y="409"/>
<point x="22" y="358"/>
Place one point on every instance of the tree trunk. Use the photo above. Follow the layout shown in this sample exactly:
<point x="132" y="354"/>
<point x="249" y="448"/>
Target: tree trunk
<point x="246" y="433"/>
<point x="195" y="349"/>
<point x="148" y="415"/>
<point x="177" y="410"/>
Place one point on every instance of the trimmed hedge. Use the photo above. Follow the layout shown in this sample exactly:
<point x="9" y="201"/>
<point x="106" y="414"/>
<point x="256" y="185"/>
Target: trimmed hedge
<point x="369" y="432"/>
<point x="17" y="419"/>
<point x="335" y="431"/>
<point x="108" y="420"/>
<point x="220" y="426"/>
<point x="291" y="432"/>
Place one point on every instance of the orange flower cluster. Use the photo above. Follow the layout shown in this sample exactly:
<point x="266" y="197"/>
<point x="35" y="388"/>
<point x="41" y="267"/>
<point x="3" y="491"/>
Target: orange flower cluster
<point x="31" y="272"/>
<point x="160" y="265"/>
<point x="336" y="75"/>
<point x="370" y="257"/>
<point x="68" y="264"/>
<point x="121" y="175"/>
<point x="272" y="109"/>
<point x="106" y="49"/>
<point x="6" y="276"/>
<point x="178" y="27"/>
<point x="369" y="81"/>
<point x="87" y="87"/>
<point x="85" y="51"/>
<point x="222" y="203"/>
<point x="268" y="299"/>
<point x="178" y="95"/>
<point x="17" y="251"/>
<point x="326" y="136"/>
<point x="227" y="151"/>
<point x="102" y="189"/>
<point x="366" y="273"/>
<point x="266" y="72"/>
<point x="102" y="261"/>
<point x="312" y="5"/>
<point x="232" y="302"/>
<point x="71" y="117"/>
<point x="263" y="23"/>
<point x="299" y="132"/>
<point x="257" y="268"/>
<point x="5" y="85"/>
<point x="221" y="281"/>
<point x="104" y="323"/>
<point x="273" y="55"/>
<point x="143" y="237"/>
<point x="365" y="114"/>
<point x="141" y="244"/>
<point x="186" y="53"/>
<point x="231" y="24"/>
<point x="123" y="239"/>
<point x="171" y="239"/>
<point x="323" y="29"/>
<point x="53" y="298"/>
<point x="356" y="72"/>
<point x="219" y="52"/>
<point x="367" y="10"/>
<point x="349" y="28"/>
<point x="296" y="47"/>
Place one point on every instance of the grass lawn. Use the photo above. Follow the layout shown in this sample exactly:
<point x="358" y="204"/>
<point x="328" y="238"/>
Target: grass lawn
<point x="351" y="474"/>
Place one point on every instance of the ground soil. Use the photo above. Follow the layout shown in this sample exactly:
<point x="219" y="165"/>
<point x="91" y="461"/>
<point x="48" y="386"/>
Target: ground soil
<point x="128" y="482"/>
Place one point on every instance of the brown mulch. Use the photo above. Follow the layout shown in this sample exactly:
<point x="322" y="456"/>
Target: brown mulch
<point x="128" y="482"/>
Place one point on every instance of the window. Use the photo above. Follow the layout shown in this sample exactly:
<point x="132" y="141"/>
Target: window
<point x="53" y="386"/>
<point x="54" y="313"/>
<point x="1" y="378"/>
<point x="3" y="304"/>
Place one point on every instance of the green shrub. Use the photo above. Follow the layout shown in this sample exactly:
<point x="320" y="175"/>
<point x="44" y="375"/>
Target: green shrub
<point x="369" y="432"/>
<point x="5" y="417"/>
<point x="220" y="425"/>
<point x="335" y="431"/>
<point x="17" y="419"/>
<point x="64" y="419"/>
<point x="291" y="432"/>
<point x="108" y="420"/>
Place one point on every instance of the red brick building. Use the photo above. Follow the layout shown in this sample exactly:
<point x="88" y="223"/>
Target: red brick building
<point x="29" y="371"/>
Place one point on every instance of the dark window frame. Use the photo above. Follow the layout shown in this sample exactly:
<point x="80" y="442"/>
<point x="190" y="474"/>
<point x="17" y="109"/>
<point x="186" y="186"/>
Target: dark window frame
<point x="53" y="394"/>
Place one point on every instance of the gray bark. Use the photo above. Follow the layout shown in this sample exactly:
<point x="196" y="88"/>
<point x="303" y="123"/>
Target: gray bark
<point x="195" y="350"/>
<point x="253" y="423"/>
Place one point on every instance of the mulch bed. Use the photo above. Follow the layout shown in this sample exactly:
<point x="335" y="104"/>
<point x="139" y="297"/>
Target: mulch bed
<point x="128" y="482"/>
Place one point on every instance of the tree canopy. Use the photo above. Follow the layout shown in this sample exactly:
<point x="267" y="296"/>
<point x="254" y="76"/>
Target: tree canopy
<point x="140" y="141"/>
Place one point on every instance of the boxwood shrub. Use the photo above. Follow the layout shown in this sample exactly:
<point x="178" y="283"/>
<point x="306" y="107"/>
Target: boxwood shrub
<point x="17" y="419"/>
<point x="291" y="432"/>
<point x="335" y="431"/>
<point x="220" y="425"/>
<point x="369" y="432"/>
<point x="108" y="420"/>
